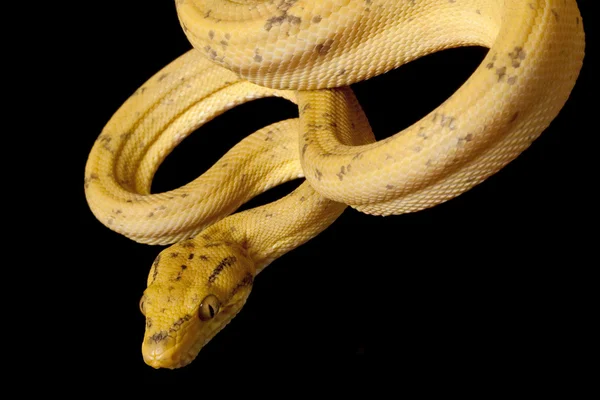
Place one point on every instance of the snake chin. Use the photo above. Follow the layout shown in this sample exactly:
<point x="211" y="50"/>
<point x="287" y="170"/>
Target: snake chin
<point x="173" y="352"/>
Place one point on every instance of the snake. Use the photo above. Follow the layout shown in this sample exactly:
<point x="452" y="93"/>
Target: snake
<point x="310" y="52"/>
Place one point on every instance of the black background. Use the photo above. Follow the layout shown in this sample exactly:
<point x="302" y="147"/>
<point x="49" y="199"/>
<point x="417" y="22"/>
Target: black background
<point x="490" y="278"/>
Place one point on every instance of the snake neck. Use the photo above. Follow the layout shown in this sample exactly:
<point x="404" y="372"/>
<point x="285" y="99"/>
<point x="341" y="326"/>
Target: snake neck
<point x="268" y="232"/>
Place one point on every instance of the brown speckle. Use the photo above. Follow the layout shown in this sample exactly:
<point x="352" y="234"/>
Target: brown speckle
<point x="389" y="187"/>
<point x="246" y="281"/>
<point x="258" y="58"/>
<point x="514" y="117"/>
<point x="177" y="324"/>
<point x="174" y="255"/>
<point x="318" y="174"/>
<point x="211" y="34"/>
<point x="225" y="262"/>
<point x="316" y="19"/>
<point x="323" y="48"/>
<point x="158" y="337"/>
<point x="512" y="80"/>
<point x="501" y="72"/>
<point x="555" y="13"/>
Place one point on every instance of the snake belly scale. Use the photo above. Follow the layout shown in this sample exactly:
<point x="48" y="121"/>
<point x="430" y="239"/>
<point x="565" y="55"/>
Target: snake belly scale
<point x="309" y="52"/>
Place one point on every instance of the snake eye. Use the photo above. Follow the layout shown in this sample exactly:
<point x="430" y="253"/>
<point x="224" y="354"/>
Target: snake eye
<point x="142" y="306"/>
<point x="208" y="308"/>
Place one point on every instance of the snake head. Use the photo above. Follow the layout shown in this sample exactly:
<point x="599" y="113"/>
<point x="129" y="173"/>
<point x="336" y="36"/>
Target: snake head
<point x="194" y="289"/>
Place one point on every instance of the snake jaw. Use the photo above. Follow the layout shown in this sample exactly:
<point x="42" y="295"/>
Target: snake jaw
<point x="161" y="349"/>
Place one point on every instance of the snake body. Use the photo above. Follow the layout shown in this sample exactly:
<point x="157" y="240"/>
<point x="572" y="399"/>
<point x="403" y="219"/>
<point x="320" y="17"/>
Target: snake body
<point x="308" y="52"/>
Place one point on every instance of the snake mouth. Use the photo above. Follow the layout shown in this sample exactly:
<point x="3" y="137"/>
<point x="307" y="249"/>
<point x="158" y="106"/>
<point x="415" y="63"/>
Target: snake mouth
<point x="174" y="352"/>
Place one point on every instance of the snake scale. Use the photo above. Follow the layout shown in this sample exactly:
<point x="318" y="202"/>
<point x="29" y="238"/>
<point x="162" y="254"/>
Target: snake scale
<point x="309" y="52"/>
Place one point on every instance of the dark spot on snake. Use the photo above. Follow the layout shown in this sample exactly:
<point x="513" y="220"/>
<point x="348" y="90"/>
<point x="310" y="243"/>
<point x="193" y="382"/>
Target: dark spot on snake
<point x="302" y="198"/>
<point x="466" y="138"/>
<point x="211" y="34"/>
<point x="174" y="255"/>
<point x="224" y="43"/>
<point x="319" y="174"/>
<point x="246" y="281"/>
<point x="512" y="80"/>
<point x="316" y="19"/>
<point x="184" y="195"/>
<point x="188" y="244"/>
<point x="158" y="337"/>
<point x="389" y="187"/>
<point x="306" y="107"/>
<point x="577" y="20"/>
<point x="258" y="58"/>
<point x="163" y="76"/>
<point x="203" y="257"/>
<point x="555" y="13"/>
<point x="342" y="71"/>
<point x="148" y="322"/>
<point x="304" y="148"/>
<point x="151" y="215"/>
<point x="342" y="172"/>
<point x="514" y="117"/>
<point x="226" y="262"/>
<point x="227" y="36"/>
<point x="177" y="324"/>
<point x="501" y="72"/>
<point x="294" y="20"/>
<point x="323" y="48"/>
<point x="191" y="256"/>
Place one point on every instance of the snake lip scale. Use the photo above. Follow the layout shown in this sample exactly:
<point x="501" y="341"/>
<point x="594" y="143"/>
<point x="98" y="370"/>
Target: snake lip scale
<point x="310" y="52"/>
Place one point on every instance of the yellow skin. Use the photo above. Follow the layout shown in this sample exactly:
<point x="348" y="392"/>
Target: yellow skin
<point x="309" y="51"/>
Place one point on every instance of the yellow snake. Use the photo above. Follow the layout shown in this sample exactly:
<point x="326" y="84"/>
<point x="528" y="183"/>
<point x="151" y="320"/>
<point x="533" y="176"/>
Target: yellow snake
<point x="309" y="51"/>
